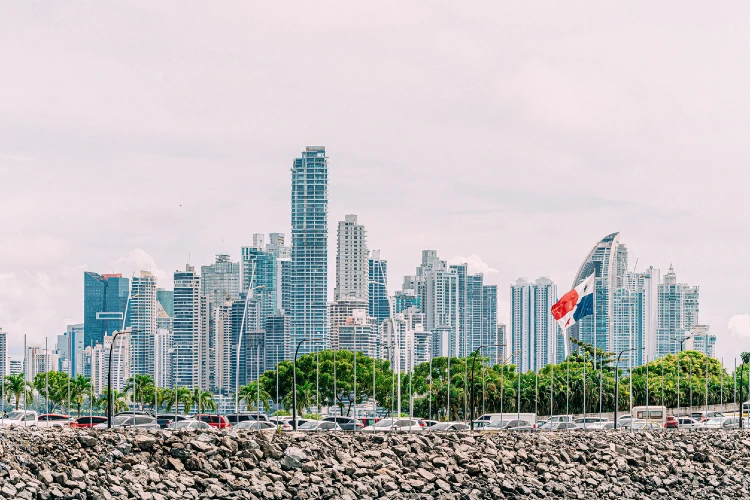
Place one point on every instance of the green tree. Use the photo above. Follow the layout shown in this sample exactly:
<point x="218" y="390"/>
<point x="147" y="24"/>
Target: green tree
<point x="249" y="394"/>
<point x="204" y="400"/>
<point x="141" y="387"/>
<point x="177" y="396"/>
<point x="15" y="386"/>
<point x="80" y="387"/>
<point x="119" y="403"/>
<point x="53" y="386"/>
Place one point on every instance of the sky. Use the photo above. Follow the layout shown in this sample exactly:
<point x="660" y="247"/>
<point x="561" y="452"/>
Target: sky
<point x="514" y="136"/>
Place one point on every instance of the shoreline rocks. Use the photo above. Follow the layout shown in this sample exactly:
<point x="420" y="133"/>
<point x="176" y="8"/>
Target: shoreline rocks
<point x="162" y="465"/>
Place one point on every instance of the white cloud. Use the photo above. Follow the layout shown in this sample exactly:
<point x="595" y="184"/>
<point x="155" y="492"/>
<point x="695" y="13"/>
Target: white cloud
<point x="139" y="260"/>
<point x="475" y="263"/>
<point x="739" y="325"/>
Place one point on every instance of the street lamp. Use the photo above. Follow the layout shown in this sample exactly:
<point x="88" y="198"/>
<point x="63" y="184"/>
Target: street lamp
<point x="239" y="347"/>
<point x="473" y="362"/>
<point x="294" y="382"/>
<point x="681" y="341"/>
<point x="617" y="377"/>
<point x="109" y="378"/>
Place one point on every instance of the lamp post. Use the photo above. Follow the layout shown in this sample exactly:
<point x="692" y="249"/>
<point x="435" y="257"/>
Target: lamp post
<point x="239" y="347"/>
<point x="109" y="378"/>
<point x="617" y="378"/>
<point x="473" y="362"/>
<point x="681" y="341"/>
<point x="294" y="381"/>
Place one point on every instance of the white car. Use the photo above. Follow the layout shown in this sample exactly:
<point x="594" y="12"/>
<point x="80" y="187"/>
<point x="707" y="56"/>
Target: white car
<point x="53" y="420"/>
<point x="189" y="424"/>
<point x="687" y="423"/>
<point x="319" y="425"/>
<point x="20" y="418"/>
<point x="394" y="425"/>
<point x="583" y="423"/>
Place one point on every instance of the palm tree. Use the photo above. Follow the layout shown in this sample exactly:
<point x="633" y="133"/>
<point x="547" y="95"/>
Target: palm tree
<point x="140" y="385"/>
<point x="249" y="393"/>
<point x="15" y="386"/>
<point x="118" y="401"/>
<point x="177" y="396"/>
<point x="80" y="387"/>
<point x="203" y="399"/>
<point x="745" y="356"/>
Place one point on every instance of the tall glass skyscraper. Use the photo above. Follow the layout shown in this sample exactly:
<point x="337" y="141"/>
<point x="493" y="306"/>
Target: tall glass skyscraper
<point x="533" y="330"/>
<point x="142" y="319"/>
<point x="378" y="288"/>
<point x="187" y="340"/>
<point x="309" y="288"/>
<point x="104" y="299"/>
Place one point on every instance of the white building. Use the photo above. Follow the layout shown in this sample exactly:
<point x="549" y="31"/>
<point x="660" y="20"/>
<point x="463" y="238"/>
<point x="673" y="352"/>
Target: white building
<point x="352" y="269"/>
<point x="3" y="353"/>
<point x="678" y="313"/>
<point x="189" y="342"/>
<point x="358" y="333"/>
<point x="439" y="290"/>
<point x="534" y="331"/>
<point x="121" y="357"/>
<point x="702" y="341"/>
<point x="142" y="316"/>
<point x="39" y="360"/>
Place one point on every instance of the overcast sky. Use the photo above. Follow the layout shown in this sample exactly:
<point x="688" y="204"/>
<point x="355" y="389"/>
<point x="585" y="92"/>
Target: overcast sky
<point x="146" y="135"/>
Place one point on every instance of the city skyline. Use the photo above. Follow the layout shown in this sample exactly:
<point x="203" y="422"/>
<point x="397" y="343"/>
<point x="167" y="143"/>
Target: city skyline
<point x="484" y="143"/>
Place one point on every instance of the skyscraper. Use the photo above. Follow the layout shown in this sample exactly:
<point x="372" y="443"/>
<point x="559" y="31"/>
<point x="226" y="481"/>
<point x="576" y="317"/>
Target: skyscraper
<point x="378" y="288"/>
<point x="104" y="300"/>
<point x="221" y="280"/>
<point x="142" y="315"/>
<point x="678" y="313"/>
<point x="309" y="292"/>
<point x="352" y="272"/>
<point x="439" y="290"/>
<point x="533" y="329"/>
<point x="3" y="354"/>
<point x="609" y="260"/>
<point x="187" y="335"/>
<point x="489" y="333"/>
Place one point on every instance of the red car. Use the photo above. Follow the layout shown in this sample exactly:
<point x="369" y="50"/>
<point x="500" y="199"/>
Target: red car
<point x="218" y="421"/>
<point x="671" y="423"/>
<point x="86" y="422"/>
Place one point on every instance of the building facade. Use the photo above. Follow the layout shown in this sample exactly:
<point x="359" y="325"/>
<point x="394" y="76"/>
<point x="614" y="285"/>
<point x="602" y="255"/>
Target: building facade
<point x="533" y="330"/>
<point x="142" y="314"/>
<point x="352" y="270"/>
<point x="309" y="273"/>
<point x="187" y="338"/>
<point x="378" y="308"/>
<point x="105" y="298"/>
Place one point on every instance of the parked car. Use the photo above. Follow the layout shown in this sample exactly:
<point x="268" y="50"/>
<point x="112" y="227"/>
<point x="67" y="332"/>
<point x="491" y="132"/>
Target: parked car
<point x="346" y="423"/>
<point x="600" y="426"/>
<point x="584" y="422"/>
<point x="20" y="418"/>
<point x="722" y="423"/>
<point x="189" y="424"/>
<point x="450" y="426"/>
<point x="480" y="424"/>
<point x="687" y="423"/>
<point x="644" y="425"/>
<point x="508" y="417"/>
<point x="146" y="413"/>
<point x="702" y="416"/>
<point x="430" y="423"/>
<point x="165" y="419"/>
<point x="131" y="422"/>
<point x="53" y="420"/>
<point x="561" y="418"/>
<point x="671" y="422"/>
<point x="235" y="418"/>
<point x="394" y="425"/>
<point x="541" y="423"/>
<point x="560" y="426"/>
<point x="214" y="420"/>
<point x="86" y="422"/>
<point x="319" y="425"/>
<point x="300" y="421"/>
<point x="252" y="425"/>
<point x="511" y="425"/>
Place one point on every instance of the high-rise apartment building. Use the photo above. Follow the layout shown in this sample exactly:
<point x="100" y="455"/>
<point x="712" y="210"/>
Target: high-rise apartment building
<point x="488" y="327"/>
<point x="534" y="331"/>
<point x="221" y="280"/>
<point x="439" y="289"/>
<point x="99" y="363"/>
<point x="187" y="332"/>
<point x="352" y="270"/>
<point x="358" y="333"/>
<point x="677" y="315"/>
<point x="166" y="299"/>
<point x="635" y="316"/>
<point x="702" y="341"/>
<point x="278" y="342"/>
<point x="222" y="321"/>
<point x="265" y="273"/>
<point x="309" y="277"/>
<point x="142" y="314"/>
<point x="609" y="261"/>
<point x="69" y="344"/>
<point x="105" y="298"/>
<point x="3" y="354"/>
<point x="163" y="347"/>
<point x="379" y="307"/>
<point x="249" y="336"/>
<point x="39" y="360"/>
<point x="464" y="335"/>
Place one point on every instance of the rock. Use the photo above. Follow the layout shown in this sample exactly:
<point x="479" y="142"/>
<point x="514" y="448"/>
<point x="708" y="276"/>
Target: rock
<point x="87" y="441"/>
<point x="145" y="442"/>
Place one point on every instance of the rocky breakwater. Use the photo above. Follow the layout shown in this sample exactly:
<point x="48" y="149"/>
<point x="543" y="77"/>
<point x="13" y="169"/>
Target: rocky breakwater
<point x="53" y="464"/>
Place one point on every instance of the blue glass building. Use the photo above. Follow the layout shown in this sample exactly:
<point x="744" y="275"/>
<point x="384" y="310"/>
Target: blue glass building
<point x="378" y="306"/>
<point x="309" y="280"/>
<point x="104" y="300"/>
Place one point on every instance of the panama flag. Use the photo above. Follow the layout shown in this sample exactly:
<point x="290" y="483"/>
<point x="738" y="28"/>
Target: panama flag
<point x="576" y="304"/>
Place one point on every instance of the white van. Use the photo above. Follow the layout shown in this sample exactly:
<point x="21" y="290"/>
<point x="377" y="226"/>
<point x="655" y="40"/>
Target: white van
<point x="508" y="417"/>
<point x="652" y="413"/>
<point x="561" y="418"/>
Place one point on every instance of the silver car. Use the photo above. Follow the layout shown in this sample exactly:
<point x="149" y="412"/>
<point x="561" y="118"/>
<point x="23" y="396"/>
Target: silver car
<point x="132" y="422"/>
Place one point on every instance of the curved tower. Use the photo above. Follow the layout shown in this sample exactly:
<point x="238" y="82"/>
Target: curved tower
<point x="609" y="260"/>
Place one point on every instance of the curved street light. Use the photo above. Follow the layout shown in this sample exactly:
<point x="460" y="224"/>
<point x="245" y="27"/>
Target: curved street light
<point x="109" y="376"/>
<point x="294" y="382"/>
<point x="473" y="362"/>
<point x="617" y="377"/>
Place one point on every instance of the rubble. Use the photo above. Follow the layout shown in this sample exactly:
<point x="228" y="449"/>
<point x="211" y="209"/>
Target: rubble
<point x="162" y="465"/>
